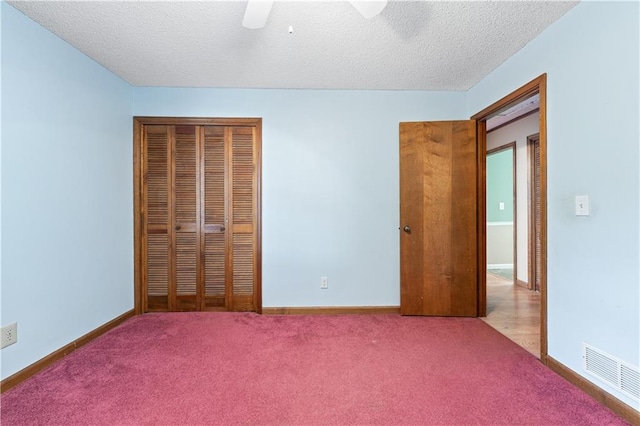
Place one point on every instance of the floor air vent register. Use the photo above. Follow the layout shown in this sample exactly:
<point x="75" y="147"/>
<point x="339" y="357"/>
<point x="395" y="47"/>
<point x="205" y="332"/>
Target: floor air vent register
<point x="619" y="374"/>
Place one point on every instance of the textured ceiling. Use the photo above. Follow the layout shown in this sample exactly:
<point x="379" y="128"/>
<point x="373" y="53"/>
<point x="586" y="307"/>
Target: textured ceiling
<point x="412" y="45"/>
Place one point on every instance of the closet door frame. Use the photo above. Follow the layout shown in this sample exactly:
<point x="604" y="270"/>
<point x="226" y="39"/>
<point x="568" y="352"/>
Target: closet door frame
<point x="138" y="214"/>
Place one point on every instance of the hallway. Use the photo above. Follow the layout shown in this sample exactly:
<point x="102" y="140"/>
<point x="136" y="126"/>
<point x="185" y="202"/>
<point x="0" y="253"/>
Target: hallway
<point x="514" y="311"/>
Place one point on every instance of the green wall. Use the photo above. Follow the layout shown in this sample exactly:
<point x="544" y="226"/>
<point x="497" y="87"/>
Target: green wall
<point x="500" y="186"/>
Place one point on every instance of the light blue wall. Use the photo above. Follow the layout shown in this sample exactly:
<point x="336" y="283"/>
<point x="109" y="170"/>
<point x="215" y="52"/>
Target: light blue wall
<point x="591" y="57"/>
<point x="500" y="186"/>
<point x="330" y="183"/>
<point x="67" y="263"/>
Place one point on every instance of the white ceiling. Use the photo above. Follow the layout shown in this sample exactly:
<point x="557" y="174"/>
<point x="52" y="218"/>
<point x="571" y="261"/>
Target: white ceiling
<point x="411" y="45"/>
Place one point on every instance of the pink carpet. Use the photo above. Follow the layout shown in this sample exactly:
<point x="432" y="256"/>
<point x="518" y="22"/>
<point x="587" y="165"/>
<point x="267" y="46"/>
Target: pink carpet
<point x="243" y="368"/>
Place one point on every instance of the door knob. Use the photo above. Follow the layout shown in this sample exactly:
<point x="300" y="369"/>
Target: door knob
<point x="178" y="227"/>
<point x="222" y="229"/>
<point x="407" y="229"/>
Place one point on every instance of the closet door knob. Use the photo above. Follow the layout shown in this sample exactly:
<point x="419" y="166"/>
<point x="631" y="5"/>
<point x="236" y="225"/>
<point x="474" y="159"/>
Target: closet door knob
<point x="178" y="227"/>
<point x="407" y="229"/>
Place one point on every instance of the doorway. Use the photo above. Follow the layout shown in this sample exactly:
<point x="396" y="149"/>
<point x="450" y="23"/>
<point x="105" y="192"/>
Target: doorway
<point x="534" y="87"/>
<point x="502" y="247"/>
<point x="513" y="308"/>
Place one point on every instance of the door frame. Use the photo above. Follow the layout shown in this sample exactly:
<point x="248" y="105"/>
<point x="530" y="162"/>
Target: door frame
<point x="536" y="86"/>
<point x="138" y="217"/>
<point x="514" y="197"/>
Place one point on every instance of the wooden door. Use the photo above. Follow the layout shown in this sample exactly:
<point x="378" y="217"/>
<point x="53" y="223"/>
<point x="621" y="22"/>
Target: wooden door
<point x="215" y="218"/>
<point x="439" y="222"/>
<point x="156" y="235"/>
<point x="230" y="219"/>
<point x="184" y="219"/>
<point x="198" y="233"/>
<point x="535" y="213"/>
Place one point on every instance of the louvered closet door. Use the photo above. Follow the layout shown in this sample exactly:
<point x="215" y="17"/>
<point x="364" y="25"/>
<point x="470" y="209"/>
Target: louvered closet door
<point x="185" y="219"/>
<point x="155" y="237"/>
<point x="171" y="241"/>
<point x="537" y="216"/>
<point x="229" y="217"/>
<point x="215" y="218"/>
<point x="242" y="244"/>
<point x="200" y="222"/>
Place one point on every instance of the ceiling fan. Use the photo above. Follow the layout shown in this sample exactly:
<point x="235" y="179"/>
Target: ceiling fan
<point x="257" y="12"/>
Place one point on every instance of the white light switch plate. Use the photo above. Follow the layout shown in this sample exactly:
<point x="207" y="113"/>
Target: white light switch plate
<point x="582" y="205"/>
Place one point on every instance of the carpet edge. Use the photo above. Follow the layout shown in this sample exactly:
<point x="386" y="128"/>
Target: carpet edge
<point x="30" y="370"/>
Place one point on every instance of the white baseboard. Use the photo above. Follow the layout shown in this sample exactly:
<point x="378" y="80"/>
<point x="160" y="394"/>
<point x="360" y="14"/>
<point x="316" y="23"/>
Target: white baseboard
<point x="500" y="266"/>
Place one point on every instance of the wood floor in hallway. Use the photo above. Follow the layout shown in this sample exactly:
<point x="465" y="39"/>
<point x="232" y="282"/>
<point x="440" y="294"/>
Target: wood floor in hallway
<point x="514" y="311"/>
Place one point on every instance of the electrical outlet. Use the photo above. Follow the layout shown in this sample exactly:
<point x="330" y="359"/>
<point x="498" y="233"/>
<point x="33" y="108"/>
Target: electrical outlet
<point x="9" y="335"/>
<point x="324" y="282"/>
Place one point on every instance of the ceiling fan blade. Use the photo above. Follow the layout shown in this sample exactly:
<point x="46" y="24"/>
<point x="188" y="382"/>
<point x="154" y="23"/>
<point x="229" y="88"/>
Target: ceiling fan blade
<point x="256" y="14"/>
<point x="369" y="9"/>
